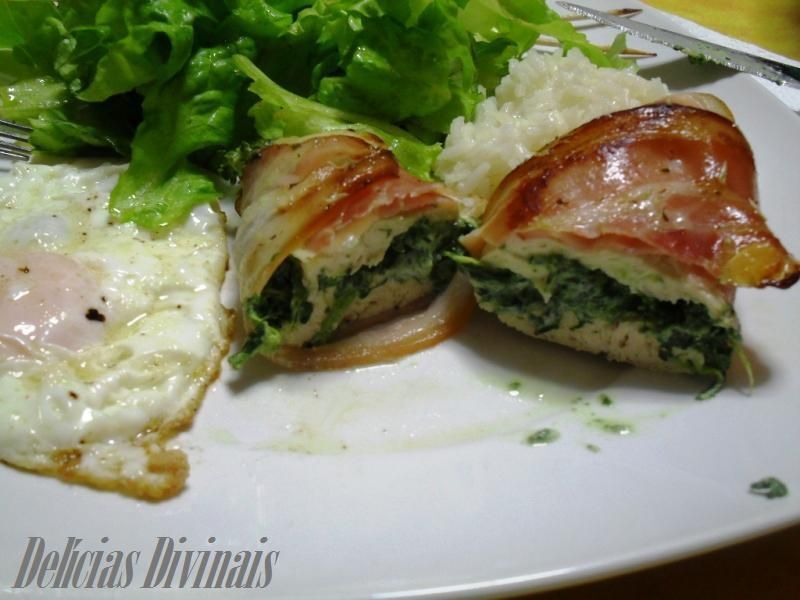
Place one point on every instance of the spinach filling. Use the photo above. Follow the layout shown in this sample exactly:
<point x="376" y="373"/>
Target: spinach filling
<point x="685" y="331"/>
<point x="416" y="255"/>
<point x="284" y="300"/>
<point x="419" y="254"/>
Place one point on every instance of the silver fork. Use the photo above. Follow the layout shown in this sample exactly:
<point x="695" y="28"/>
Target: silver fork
<point x="14" y="144"/>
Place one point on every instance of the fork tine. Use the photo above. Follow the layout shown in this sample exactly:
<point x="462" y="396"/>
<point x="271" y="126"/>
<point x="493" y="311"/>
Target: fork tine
<point x="14" y="131"/>
<point x="14" y="140"/>
<point x="618" y="12"/>
<point x="14" y="155"/>
<point x="14" y="148"/>
<point x="17" y="126"/>
<point x="627" y="52"/>
<point x="13" y="136"/>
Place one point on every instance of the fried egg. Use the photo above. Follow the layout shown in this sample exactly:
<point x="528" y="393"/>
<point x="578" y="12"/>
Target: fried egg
<point x="109" y="334"/>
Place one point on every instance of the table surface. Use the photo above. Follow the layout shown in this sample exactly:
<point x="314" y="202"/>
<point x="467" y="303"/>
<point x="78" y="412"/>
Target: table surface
<point x="766" y="568"/>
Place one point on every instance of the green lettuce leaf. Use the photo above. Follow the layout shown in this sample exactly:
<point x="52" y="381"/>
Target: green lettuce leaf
<point x="417" y="64"/>
<point x="281" y="113"/>
<point x="61" y="125"/>
<point x="505" y="29"/>
<point x="101" y="47"/>
<point x="257" y="19"/>
<point x="155" y="79"/>
<point x="193" y="111"/>
<point x="402" y="62"/>
<point x="145" y="42"/>
<point x="30" y="30"/>
<point x="26" y="99"/>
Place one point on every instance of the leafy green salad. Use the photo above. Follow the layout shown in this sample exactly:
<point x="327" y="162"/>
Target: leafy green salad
<point x="186" y="90"/>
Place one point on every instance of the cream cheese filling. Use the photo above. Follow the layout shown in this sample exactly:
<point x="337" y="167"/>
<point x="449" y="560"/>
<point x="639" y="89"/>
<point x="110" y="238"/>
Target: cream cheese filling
<point x="657" y="279"/>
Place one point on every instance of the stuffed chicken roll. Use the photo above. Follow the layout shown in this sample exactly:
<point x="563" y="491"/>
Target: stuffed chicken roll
<point x="628" y="237"/>
<point x="335" y="238"/>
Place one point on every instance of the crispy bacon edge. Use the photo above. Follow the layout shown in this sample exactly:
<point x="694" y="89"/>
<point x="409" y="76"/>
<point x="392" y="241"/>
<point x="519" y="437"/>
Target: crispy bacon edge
<point x="742" y="249"/>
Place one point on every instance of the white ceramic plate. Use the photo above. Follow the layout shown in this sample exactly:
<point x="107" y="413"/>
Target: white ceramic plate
<point x="413" y="479"/>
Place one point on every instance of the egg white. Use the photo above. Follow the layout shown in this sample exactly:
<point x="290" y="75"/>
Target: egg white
<point x="109" y="334"/>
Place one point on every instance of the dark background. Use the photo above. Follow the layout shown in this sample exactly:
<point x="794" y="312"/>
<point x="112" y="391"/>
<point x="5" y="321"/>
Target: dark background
<point x="766" y="568"/>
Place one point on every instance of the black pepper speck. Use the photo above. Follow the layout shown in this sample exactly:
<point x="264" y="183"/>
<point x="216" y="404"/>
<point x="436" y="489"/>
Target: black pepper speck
<point x="95" y="315"/>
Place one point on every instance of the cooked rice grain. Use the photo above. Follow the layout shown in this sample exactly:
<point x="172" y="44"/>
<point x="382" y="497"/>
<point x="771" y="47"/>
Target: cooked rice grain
<point x="543" y="97"/>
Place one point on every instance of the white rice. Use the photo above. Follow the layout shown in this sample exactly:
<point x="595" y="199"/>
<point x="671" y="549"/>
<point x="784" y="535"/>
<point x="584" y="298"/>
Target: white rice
<point x="543" y="97"/>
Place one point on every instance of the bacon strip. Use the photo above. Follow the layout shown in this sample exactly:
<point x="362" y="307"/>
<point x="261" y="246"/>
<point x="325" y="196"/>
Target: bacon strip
<point x="385" y="342"/>
<point x="310" y="188"/>
<point x="282" y="198"/>
<point x="663" y="179"/>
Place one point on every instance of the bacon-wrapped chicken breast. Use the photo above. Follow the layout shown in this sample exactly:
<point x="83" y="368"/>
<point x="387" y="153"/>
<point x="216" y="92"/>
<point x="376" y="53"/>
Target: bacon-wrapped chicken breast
<point x="335" y="237"/>
<point x="628" y="236"/>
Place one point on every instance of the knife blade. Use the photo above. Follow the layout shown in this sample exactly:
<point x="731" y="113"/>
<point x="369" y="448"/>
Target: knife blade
<point x="774" y="71"/>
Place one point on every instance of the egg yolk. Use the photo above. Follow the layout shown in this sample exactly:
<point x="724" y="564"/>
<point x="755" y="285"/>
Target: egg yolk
<point x="47" y="299"/>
